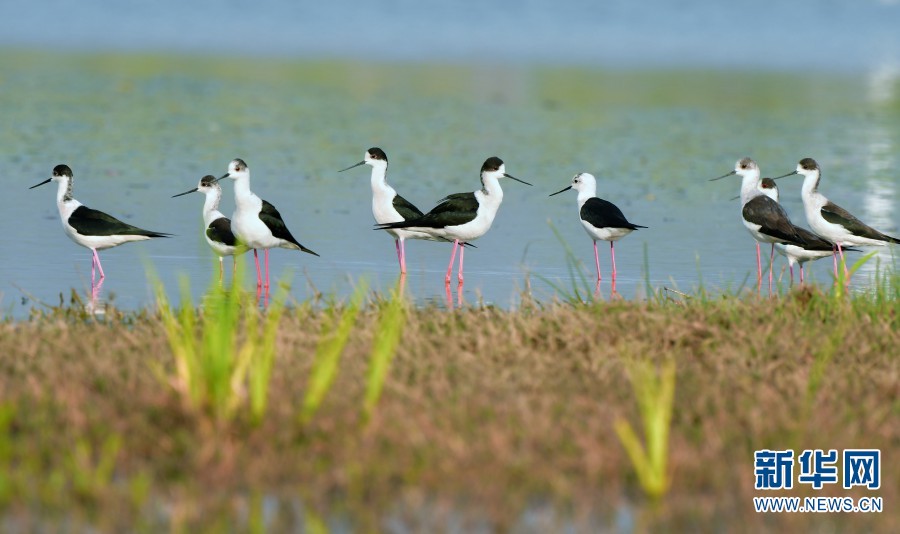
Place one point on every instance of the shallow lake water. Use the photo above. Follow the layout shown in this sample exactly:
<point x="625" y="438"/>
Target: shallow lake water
<point x="137" y="129"/>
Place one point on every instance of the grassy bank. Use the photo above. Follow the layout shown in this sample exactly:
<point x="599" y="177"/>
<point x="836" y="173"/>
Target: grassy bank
<point x="487" y="417"/>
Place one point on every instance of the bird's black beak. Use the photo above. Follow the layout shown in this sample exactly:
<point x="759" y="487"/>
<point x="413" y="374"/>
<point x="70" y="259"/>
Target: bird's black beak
<point x="514" y="178"/>
<point x="776" y="178"/>
<point x="226" y="175"/>
<point x="40" y="184"/>
<point x="353" y="166"/>
<point x="723" y="176"/>
<point x="186" y="192"/>
<point x="561" y="191"/>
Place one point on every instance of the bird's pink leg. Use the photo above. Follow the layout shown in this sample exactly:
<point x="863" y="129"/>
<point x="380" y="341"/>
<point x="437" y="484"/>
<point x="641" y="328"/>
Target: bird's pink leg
<point x="612" y="254"/>
<point x="459" y="274"/>
<point x="834" y="259"/>
<point x="267" y="272"/>
<point x="801" y="274"/>
<point x="93" y="264"/>
<point x="258" y="271"/>
<point x="99" y="265"/>
<point x="791" y="266"/>
<point x="221" y="270"/>
<point x="771" y="266"/>
<point x="758" y="266"/>
<point x="397" y="248"/>
<point x="597" y="261"/>
<point x="402" y="256"/>
<point x="846" y="272"/>
<point x="452" y="258"/>
<point x="449" y="295"/>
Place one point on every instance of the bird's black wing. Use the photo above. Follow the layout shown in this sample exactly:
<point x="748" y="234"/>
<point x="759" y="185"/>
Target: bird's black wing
<point x="405" y="208"/>
<point x="772" y="219"/>
<point x="87" y="221"/>
<point x="601" y="213"/>
<point x="273" y="221"/>
<point x="220" y="231"/>
<point x="837" y="215"/>
<point x="453" y="210"/>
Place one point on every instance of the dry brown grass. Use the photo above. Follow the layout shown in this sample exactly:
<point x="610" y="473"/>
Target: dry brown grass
<point x="485" y="413"/>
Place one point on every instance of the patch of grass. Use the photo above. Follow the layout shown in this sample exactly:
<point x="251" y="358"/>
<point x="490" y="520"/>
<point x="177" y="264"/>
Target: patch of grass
<point x="655" y="394"/>
<point x="334" y="337"/>
<point x="384" y="347"/>
<point x="223" y="352"/>
<point x="483" y="413"/>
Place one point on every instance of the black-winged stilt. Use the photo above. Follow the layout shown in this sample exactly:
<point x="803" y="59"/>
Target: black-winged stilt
<point x="218" y="232"/>
<point x="814" y="247"/>
<point x="389" y="207"/>
<point x="763" y="217"/>
<point x="601" y="219"/>
<point x="256" y="223"/>
<point x="831" y="221"/>
<point x="463" y="217"/>
<point x="90" y="228"/>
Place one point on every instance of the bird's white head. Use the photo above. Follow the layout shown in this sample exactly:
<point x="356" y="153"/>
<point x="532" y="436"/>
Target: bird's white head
<point x="61" y="174"/>
<point x="376" y="158"/>
<point x="769" y="188"/>
<point x="237" y="169"/>
<point x="209" y="183"/>
<point x="493" y="169"/>
<point x="809" y="169"/>
<point x="584" y="183"/>
<point x="746" y="167"/>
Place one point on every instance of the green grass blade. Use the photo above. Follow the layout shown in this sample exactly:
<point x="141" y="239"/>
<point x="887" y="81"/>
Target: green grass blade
<point x="387" y="337"/>
<point x="328" y="355"/>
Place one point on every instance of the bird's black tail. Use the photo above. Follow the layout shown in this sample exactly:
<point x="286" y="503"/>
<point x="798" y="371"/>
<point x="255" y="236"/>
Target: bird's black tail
<point x="308" y="251"/>
<point x="148" y="233"/>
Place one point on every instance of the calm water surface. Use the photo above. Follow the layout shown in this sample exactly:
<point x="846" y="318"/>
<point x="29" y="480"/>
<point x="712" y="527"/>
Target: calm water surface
<point x="137" y="129"/>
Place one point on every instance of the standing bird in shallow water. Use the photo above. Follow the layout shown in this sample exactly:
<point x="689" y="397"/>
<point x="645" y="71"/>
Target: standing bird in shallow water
<point x="389" y="207"/>
<point x="601" y="219"/>
<point x="815" y="247"/>
<point x="256" y="223"/>
<point x="88" y="227"/>
<point x="831" y="221"/>
<point x="763" y="217"/>
<point x="218" y="227"/>
<point x="463" y="217"/>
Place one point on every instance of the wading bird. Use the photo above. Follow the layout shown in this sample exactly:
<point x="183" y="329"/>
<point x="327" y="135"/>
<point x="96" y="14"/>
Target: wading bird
<point x="815" y="247"/>
<point x="463" y="217"/>
<point x="90" y="228"/>
<point x="763" y="217"/>
<point x="256" y="223"/>
<point x="831" y="221"/>
<point x="218" y="232"/>
<point x="389" y="207"/>
<point x="601" y="219"/>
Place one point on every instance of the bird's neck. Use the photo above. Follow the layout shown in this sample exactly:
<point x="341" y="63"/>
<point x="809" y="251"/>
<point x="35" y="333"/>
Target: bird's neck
<point x="242" y="194"/>
<point x="810" y="185"/>
<point x="491" y="190"/>
<point x="379" y="182"/>
<point x="211" y="205"/>
<point x="750" y="187"/>
<point x="64" y="191"/>
<point x="584" y="195"/>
